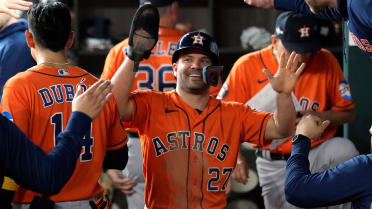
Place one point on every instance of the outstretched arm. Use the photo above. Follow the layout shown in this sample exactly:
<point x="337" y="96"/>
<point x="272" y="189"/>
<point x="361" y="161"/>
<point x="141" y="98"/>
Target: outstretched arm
<point x="282" y="123"/>
<point x="342" y="184"/>
<point x="299" y="6"/>
<point x="142" y="39"/>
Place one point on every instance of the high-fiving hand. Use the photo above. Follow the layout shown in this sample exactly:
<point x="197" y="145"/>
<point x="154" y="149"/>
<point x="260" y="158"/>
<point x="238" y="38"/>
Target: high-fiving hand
<point x="92" y="101"/>
<point x="285" y="79"/>
<point x="9" y="6"/>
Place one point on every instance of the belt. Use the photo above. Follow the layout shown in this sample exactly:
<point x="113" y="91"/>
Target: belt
<point x="271" y="155"/>
<point x="132" y="134"/>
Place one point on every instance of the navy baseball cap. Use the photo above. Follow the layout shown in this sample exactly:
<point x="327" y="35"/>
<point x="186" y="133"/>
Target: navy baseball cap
<point x="298" y="32"/>
<point x="158" y="3"/>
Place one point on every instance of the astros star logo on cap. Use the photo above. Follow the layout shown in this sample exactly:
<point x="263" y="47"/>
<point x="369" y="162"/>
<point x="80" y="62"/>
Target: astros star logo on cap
<point x="198" y="39"/>
<point x="304" y="31"/>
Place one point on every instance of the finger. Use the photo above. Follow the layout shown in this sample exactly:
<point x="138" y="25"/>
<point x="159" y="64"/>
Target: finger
<point x="268" y="74"/>
<point x="102" y="90"/>
<point x="325" y="124"/>
<point x="106" y="99"/>
<point x="300" y="69"/>
<point x="290" y="61"/>
<point x="79" y="91"/>
<point x="296" y="60"/>
<point x="24" y="3"/>
<point x="18" y="7"/>
<point x="93" y="88"/>
<point x="282" y="61"/>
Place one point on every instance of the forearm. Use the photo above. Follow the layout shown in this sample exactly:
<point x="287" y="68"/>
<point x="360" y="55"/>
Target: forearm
<point x="33" y="169"/>
<point x="122" y="82"/>
<point x="300" y="6"/>
<point x="337" y="118"/>
<point x="285" y="115"/>
<point x="330" y="187"/>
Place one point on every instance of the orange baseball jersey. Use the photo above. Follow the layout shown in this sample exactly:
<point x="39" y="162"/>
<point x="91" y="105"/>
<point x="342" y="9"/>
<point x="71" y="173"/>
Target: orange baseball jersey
<point x="188" y="157"/>
<point x="39" y="101"/>
<point x="321" y="86"/>
<point x="153" y="73"/>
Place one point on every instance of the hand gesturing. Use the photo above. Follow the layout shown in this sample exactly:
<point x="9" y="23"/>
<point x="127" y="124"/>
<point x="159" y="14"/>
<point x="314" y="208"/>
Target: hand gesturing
<point x="285" y="79"/>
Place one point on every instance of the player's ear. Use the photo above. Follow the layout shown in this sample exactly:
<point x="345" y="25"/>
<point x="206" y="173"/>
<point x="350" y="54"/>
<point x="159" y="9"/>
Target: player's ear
<point x="174" y="67"/>
<point x="274" y="39"/>
<point x="70" y="40"/>
<point x="30" y="39"/>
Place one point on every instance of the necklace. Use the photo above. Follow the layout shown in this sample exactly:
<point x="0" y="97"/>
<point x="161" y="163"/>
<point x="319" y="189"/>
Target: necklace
<point x="54" y="63"/>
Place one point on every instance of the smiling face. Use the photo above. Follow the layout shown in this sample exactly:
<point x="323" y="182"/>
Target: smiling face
<point x="188" y="71"/>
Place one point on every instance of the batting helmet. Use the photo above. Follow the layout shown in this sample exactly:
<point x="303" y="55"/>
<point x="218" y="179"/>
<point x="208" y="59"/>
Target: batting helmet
<point x="197" y="40"/>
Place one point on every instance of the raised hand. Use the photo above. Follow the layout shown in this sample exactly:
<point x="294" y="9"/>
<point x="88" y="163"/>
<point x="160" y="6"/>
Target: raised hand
<point x="8" y="6"/>
<point x="92" y="101"/>
<point x="311" y="126"/>
<point x="265" y="4"/>
<point x="285" y="79"/>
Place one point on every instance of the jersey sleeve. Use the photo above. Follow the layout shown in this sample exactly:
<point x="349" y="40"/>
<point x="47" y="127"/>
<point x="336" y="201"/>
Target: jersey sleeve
<point x="234" y="87"/>
<point x="338" y="89"/>
<point x="117" y="137"/>
<point x="14" y="104"/>
<point x="141" y="100"/>
<point x="113" y="61"/>
<point x="254" y="125"/>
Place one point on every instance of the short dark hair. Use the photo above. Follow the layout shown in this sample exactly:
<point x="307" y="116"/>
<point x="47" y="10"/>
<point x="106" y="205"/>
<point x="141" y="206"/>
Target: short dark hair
<point x="50" y="24"/>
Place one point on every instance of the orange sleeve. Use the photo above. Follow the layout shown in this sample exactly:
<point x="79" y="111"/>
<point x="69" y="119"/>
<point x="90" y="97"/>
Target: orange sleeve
<point x="254" y="125"/>
<point x="141" y="100"/>
<point x="338" y="87"/>
<point x="14" y="103"/>
<point x="236" y="87"/>
<point x="117" y="137"/>
<point x="113" y="61"/>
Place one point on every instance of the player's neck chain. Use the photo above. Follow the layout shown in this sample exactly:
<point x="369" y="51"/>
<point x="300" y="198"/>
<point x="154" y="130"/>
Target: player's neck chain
<point x="54" y="63"/>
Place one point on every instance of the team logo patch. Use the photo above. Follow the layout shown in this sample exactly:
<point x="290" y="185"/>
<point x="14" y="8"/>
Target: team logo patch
<point x="198" y="39"/>
<point x="63" y="72"/>
<point x="223" y="92"/>
<point x="344" y="89"/>
<point x="304" y="32"/>
<point x="8" y="115"/>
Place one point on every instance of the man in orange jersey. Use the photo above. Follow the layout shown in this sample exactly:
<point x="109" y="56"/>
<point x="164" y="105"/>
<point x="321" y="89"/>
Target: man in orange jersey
<point x="153" y="73"/>
<point x="321" y="90"/>
<point x="189" y="139"/>
<point x="39" y="101"/>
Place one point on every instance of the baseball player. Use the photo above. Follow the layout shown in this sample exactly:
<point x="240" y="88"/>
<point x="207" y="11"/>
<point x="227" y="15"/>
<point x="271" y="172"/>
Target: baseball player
<point x="349" y="181"/>
<point x="356" y="13"/>
<point x="29" y="166"/>
<point x="189" y="139"/>
<point x="39" y="101"/>
<point x="153" y="73"/>
<point x="321" y="90"/>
